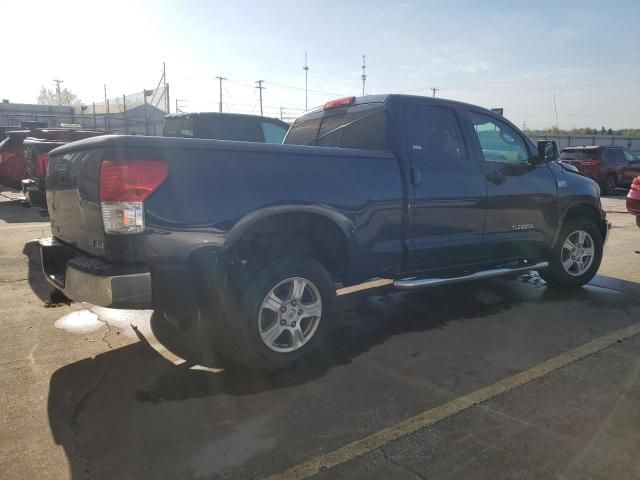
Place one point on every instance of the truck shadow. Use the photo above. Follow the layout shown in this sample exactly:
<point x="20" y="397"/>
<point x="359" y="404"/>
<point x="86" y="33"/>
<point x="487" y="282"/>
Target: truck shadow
<point x="108" y="411"/>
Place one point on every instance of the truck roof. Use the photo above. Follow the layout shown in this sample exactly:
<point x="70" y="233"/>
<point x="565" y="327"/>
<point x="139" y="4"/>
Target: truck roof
<point x="382" y="98"/>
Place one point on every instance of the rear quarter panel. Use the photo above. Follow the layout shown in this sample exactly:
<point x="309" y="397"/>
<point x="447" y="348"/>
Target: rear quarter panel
<point x="223" y="191"/>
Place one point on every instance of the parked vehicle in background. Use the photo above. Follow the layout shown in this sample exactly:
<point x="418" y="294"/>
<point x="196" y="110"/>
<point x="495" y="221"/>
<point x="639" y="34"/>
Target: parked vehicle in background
<point x="247" y="242"/>
<point x="13" y="168"/>
<point x="611" y="166"/>
<point x="225" y="126"/>
<point x="633" y="199"/>
<point x="36" y="154"/>
<point x="4" y="129"/>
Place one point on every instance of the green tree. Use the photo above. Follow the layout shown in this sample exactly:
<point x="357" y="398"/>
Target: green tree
<point x="51" y="97"/>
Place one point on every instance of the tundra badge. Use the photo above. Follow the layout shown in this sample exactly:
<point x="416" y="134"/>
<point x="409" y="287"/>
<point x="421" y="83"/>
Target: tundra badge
<point x="526" y="226"/>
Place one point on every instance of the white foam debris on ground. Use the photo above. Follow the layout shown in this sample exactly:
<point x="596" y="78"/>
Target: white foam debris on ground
<point x="79" y="322"/>
<point x="125" y="320"/>
<point x="92" y="318"/>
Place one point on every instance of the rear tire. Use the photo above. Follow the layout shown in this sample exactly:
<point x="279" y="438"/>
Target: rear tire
<point x="570" y="264"/>
<point x="279" y="316"/>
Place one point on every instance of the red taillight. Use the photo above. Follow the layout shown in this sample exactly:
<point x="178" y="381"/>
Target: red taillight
<point x="42" y="162"/>
<point x="130" y="182"/>
<point x="340" y="102"/>
<point x="635" y="185"/>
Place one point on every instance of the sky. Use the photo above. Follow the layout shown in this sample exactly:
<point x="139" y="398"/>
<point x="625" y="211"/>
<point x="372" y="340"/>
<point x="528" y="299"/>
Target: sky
<point x="494" y="53"/>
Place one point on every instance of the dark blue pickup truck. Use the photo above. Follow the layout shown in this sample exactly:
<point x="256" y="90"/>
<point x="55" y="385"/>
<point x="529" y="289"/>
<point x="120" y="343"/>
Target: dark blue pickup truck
<point x="248" y="241"/>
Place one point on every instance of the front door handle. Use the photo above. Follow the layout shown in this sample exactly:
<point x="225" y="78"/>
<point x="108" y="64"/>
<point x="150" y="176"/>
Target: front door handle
<point x="416" y="175"/>
<point x="496" y="177"/>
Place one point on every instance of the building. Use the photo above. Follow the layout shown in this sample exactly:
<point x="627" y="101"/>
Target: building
<point x="11" y="114"/>
<point x="140" y="119"/>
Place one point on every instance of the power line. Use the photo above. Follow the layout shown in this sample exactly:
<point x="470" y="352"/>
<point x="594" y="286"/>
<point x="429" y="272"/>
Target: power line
<point x="291" y="87"/>
<point x="260" y="88"/>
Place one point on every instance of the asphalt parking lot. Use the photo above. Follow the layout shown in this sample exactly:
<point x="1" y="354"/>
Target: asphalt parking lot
<point x="500" y="379"/>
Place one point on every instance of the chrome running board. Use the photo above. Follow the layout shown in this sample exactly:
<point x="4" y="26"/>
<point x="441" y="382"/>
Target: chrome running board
<point x="412" y="283"/>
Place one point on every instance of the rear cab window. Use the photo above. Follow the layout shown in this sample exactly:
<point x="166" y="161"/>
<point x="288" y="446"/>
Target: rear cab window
<point x="578" y="154"/>
<point x="360" y="126"/>
<point x="178" y="127"/>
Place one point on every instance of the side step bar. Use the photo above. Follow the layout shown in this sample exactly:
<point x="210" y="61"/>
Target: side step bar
<point x="412" y="283"/>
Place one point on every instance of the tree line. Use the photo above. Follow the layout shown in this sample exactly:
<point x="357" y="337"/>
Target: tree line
<point x="628" y="132"/>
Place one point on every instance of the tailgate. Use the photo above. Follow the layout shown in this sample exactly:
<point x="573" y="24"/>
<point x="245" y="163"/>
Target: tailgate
<point x="73" y="199"/>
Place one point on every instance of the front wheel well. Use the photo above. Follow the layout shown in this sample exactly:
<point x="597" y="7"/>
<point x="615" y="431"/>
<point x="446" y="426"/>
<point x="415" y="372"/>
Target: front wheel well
<point x="585" y="210"/>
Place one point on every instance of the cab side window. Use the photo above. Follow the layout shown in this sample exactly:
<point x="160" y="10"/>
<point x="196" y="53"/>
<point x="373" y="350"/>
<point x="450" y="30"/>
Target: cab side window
<point x="499" y="142"/>
<point x="442" y="137"/>
<point x="628" y="156"/>
<point x="620" y="159"/>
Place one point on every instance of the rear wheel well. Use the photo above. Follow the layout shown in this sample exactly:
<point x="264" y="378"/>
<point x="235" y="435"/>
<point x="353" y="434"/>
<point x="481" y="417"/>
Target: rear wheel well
<point x="304" y="234"/>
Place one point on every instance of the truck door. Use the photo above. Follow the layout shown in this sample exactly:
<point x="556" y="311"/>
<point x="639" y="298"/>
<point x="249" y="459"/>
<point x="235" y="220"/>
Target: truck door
<point x="449" y="192"/>
<point x="522" y="210"/>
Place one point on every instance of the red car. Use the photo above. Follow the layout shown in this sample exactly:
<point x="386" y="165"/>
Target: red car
<point x="36" y="149"/>
<point x="609" y="165"/>
<point x="13" y="168"/>
<point x="633" y="199"/>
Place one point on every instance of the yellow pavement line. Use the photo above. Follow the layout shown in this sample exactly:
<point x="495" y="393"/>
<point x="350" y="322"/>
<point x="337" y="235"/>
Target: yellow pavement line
<point x="434" y="415"/>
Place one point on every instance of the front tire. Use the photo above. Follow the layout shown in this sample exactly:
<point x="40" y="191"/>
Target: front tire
<point x="609" y="185"/>
<point x="577" y="255"/>
<point x="282" y="314"/>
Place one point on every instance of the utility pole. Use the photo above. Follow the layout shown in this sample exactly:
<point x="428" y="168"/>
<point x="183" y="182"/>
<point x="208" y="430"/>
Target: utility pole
<point x="106" y="106"/>
<point x="221" y="79"/>
<point x="364" y="76"/>
<point x="306" y="82"/>
<point x="146" y="93"/>
<point x="58" y="82"/>
<point x="124" y="114"/>
<point x="281" y="113"/>
<point x="555" y="107"/>
<point x="167" y="102"/>
<point x="434" y="90"/>
<point x="260" y="88"/>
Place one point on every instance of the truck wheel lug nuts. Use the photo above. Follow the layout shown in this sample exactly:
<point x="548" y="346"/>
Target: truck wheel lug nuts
<point x="283" y="323"/>
<point x="300" y="312"/>
<point x="283" y="309"/>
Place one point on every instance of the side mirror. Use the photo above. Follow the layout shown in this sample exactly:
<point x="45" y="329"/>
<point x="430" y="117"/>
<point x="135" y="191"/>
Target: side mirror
<point x="547" y="151"/>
